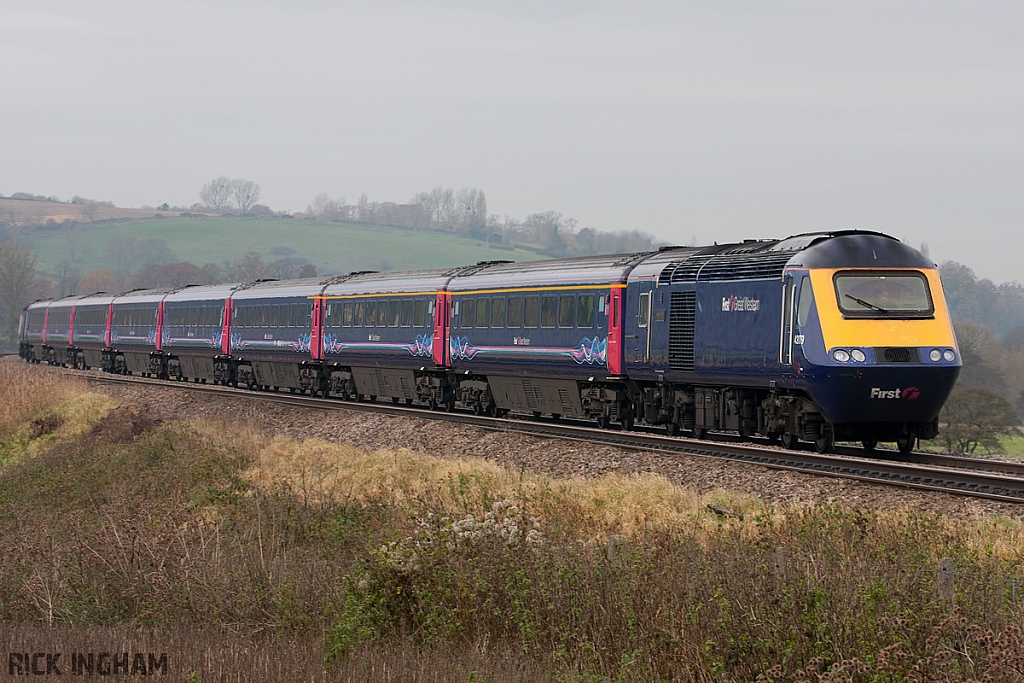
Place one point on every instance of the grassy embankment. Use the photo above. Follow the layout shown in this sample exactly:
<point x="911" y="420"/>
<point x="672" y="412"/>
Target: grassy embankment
<point x="239" y="552"/>
<point x="332" y="247"/>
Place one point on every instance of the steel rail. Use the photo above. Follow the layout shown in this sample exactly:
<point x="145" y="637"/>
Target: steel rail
<point x="974" y="477"/>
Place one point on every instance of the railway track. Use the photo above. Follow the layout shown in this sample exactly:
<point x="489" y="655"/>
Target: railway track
<point x="975" y="477"/>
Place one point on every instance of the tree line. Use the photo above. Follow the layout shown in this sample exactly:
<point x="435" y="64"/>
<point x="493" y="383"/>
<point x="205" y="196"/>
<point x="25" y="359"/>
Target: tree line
<point x="464" y="213"/>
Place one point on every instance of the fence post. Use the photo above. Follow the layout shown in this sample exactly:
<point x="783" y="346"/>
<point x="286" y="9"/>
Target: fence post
<point x="947" y="574"/>
<point x="617" y="546"/>
<point x="780" y="563"/>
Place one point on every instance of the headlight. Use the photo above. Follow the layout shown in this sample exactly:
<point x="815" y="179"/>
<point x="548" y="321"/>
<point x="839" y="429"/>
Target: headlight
<point x="840" y="355"/>
<point x="936" y="355"/>
<point x="949" y="355"/>
<point x="858" y="355"/>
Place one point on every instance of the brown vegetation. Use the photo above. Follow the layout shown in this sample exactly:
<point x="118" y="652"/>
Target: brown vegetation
<point x="211" y="541"/>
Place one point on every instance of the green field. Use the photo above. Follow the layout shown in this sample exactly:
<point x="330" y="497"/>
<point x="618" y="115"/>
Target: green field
<point x="332" y="247"/>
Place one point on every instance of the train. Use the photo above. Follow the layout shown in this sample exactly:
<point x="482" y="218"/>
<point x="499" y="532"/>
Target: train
<point x="818" y="337"/>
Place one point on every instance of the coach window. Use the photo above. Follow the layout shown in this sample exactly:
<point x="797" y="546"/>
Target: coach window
<point x="566" y="311"/>
<point x="585" y="311"/>
<point x="642" y="309"/>
<point x="468" y="315"/>
<point x="515" y="312"/>
<point x="382" y="313"/>
<point x="482" y="312"/>
<point x="407" y="309"/>
<point x="531" y="311"/>
<point x="370" y="314"/>
<point x="394" y="312"/>
<point x="307" y="321"/>
<point x="548" y="311"/>
<point x="498" y="312"/>
<point x="347" y="314"/>
<point x="357" y="314"/>
<point x="419" y="316"/>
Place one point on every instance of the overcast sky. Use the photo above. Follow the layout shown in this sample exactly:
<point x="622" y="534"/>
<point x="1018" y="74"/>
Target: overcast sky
<point x="717" y="120"/>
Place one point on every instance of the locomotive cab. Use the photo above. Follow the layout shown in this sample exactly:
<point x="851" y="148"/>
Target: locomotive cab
<point x="868" y="336"/>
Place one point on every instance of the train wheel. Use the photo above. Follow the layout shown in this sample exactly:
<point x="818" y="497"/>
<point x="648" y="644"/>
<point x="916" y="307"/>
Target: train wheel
<point x="394" y="399"/>
<point x="478" y="409"/>
<point x="408" y="401"/>
<point x="627" y="423"/>
<point x="790" y="441"/>
<point x="432" y="404"/>
<point x="603" y="421"/>
<point x="671" y="428"/>
<point x="824" y="443"/>
<point x="449" y="405"/>
<point x="905" y="444"/>
<point x="700" y="432"/>
<point x="869" y="444"/>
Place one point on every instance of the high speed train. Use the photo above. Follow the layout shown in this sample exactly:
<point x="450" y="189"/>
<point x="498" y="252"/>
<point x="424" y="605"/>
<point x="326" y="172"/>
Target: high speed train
<point x="817" y="337"/>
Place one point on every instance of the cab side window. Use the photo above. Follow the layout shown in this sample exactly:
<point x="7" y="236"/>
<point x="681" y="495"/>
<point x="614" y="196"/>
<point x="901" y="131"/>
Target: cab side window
<point x="803" y="307"/>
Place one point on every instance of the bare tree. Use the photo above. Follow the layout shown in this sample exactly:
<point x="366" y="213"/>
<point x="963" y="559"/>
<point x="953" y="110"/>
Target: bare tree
<point x="975" y="417"/>
<point x="216" y="194"/>
<point x="251" y="267"/>
<point x="324" y="208"/>
<point x="67" y="275"/>
<point x="17" y="283"/>
<point x="246" y="193"/>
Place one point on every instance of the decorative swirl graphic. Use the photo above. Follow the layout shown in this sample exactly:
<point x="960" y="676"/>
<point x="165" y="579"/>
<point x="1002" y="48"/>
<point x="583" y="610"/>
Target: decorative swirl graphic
<point x="591" y="351"/>
<point x="461" y="349"/>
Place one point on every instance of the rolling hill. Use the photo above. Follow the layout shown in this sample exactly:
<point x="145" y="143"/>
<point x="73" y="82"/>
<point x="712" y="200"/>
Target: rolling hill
<point x="332" y="247"/>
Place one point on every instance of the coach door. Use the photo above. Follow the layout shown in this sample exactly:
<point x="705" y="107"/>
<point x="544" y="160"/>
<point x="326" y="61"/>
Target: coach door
<point x="316" y="329"/>
<point x="615" y="331"/>
<point x="638" y="343"/>
<point x="786" y="336"/>
<point x="439" y="349"/>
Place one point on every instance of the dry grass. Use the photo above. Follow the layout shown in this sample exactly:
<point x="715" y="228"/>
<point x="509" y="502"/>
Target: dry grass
<point x="633" y="505"/>
<point x="41" y="407"/>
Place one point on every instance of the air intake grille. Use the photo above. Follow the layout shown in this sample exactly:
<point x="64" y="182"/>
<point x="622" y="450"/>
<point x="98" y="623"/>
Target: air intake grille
<point x="722" y="267"/>
<point x="897" y="354"/>
<point x="682" y="319"/>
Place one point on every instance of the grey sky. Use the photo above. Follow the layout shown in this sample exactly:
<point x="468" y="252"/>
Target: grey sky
<point x="720" y="120"/>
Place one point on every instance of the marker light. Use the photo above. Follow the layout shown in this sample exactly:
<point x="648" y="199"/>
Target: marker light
<point x="858" y="355"/>
<point x="949" y="355"/>
<point x="840" y="355"/>
<point x="935" y="355"/>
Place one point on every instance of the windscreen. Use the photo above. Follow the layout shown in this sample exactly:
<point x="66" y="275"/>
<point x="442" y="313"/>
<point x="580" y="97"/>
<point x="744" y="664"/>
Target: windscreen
<point x="883" y="294"/>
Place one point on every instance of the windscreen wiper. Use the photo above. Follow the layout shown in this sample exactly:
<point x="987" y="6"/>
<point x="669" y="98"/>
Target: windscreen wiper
<point x="868" y="304"/>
